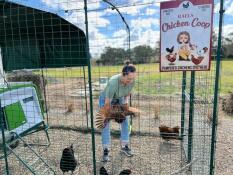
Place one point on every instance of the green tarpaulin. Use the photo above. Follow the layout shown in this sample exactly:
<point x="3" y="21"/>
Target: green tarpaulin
<point x="32" y="38"/>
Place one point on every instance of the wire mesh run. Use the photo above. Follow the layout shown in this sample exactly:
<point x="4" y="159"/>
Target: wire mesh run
<point x="45" y="61"/>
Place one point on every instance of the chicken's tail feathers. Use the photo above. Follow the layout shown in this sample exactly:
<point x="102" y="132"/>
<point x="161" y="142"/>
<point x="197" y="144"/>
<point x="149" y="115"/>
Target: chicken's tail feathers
<point x="125" y="172"/>
<point x="103" y="171"/>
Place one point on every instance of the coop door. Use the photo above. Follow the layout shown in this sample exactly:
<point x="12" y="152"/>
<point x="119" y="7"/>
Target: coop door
<point x="15" y="116"/>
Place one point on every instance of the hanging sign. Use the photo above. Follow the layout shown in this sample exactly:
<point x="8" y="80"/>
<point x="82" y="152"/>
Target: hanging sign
<point x="186" y="31"/>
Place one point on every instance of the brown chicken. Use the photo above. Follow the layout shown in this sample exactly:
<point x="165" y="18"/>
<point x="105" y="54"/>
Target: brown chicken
<point x="168" y="133"/>
<point x="70" y="108"/>
<point x="115" y="112"/>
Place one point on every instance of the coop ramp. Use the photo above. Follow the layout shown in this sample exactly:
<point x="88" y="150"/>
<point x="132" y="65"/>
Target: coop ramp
<point x="30" y="158"/>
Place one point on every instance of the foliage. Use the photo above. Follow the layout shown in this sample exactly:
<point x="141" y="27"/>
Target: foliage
<point x="142" y="54"/>
<point x="116" y="56"/>
<point x="227" y="45"/>
<point x="113" y="56"/>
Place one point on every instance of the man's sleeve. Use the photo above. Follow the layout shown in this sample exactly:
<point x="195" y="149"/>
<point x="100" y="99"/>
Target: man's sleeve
<point x="110" y="91"/>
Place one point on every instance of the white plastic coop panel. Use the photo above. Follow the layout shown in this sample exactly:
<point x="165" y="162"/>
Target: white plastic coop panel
<point x="28" y="99"/>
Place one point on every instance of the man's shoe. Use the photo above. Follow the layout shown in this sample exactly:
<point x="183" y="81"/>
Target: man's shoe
<point x="105" y="155"/>
<point x="127" y="151"/>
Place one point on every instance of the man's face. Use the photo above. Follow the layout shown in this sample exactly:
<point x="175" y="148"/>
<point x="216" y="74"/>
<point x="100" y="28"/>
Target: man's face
<point x="130" y="78"/>
<point x="183" y="39"/>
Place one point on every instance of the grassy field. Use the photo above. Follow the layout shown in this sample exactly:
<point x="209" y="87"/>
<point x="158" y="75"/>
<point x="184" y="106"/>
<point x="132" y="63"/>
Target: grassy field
<point x="151" y="81"/>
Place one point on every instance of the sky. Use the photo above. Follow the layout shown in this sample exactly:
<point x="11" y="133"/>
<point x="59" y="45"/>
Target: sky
<point x="106" y="27"/>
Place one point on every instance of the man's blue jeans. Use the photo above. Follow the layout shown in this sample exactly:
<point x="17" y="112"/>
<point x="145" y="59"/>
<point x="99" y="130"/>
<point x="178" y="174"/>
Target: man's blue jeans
<point x="106" y="138"/>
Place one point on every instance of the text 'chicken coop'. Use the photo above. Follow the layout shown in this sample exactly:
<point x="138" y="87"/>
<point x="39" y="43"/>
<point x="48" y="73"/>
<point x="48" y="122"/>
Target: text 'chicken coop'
<point x="186" y="30"/>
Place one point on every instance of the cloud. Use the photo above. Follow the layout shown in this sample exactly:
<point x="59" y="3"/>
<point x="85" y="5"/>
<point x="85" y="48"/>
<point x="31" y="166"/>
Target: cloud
<point x="147" y="37"/>
<point x="144" y="22"/>
<point x="227" y="29"/>
<point x="75" y="12"/>
<point x="71" y="5"/>
<point x="138" y="37"/>
<point x="131" y="10"/>
<point x="229" y="8"/>
<point x="76" y="15"/>
<point x="98" y="42"/>
<point x="151" y="11"/>
<point x="120" y="33"/>
<point x="217" y="8"/>
<point x="51" y="3"/>
<point x="95" y="20"/>
<point x="134" y="7"/>
<point x="76" y="18"/>
<point x="228" y="5"/>
<point x="157" y="2"/>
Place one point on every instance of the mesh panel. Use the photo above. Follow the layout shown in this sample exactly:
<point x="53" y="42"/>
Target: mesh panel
<point x="46" y="42"/>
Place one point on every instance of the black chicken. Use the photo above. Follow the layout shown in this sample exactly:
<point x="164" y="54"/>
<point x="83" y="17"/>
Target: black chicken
<point x="103" y="171"/>
<point x="68" y="161"/>
<point x="125" y="172"/>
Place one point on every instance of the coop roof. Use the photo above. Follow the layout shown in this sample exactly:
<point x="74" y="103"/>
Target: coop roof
<point x="32" y="38"/>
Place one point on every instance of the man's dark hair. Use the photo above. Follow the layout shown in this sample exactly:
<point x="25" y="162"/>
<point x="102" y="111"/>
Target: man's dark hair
<point x="128" y="68"/>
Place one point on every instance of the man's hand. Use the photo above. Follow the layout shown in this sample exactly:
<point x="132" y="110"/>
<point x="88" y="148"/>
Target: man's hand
<point x="126" y="99"/>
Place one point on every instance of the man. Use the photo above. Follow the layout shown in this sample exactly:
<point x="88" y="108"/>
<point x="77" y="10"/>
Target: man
<point x="117" y="92"/>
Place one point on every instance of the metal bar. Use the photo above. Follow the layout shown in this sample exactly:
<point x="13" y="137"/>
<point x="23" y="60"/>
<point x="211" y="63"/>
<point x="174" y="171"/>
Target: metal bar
<point x="183" y="103"/>
<point x="90" y="89"/>
<point x="45" y="97"/>
<point x="123" y="19"/>
<point x="131" y="117"/>
<point x="216" y="92"/>
<point x="129" y="43"/>
<point x="30" y="147"/>
<point x="191" y="113"/>
<point x="185" y="167"/>
<point x="85" y="88"/>
<point x="3" y="139"/>
<point x="22" y="161"/>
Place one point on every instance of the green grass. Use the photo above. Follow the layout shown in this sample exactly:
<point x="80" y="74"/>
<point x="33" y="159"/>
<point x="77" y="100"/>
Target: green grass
<point x="151" y="81"/>
<point x="227" y="77"/>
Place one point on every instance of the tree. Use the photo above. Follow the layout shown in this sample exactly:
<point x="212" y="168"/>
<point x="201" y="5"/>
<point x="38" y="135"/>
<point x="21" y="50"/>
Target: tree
<point x="214" y="39"/>
<point x="142" y="54"/>
<point x="113" y="56"/>
<point x="157" y="51"/>
<point x="139" y="54"/>
<point x="227" y="45"/>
